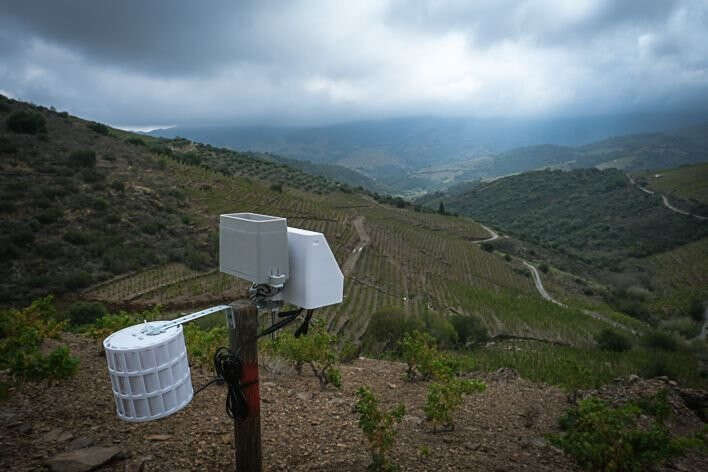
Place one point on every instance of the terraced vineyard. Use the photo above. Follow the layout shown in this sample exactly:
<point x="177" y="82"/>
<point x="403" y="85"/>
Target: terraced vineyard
<point x="136" y="225"/>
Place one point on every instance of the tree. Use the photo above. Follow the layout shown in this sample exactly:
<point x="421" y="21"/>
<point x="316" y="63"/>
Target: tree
<point x="441" y="208"/>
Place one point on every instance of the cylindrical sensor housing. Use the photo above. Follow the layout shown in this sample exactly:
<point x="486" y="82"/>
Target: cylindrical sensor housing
<point x="149" y="372"/>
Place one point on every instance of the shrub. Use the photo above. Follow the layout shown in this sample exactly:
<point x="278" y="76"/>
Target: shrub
<point x="378" y="427"/>
<point x="77" y="238"/>
<point x="418" y="351"/>
<point x="50" y="215"/>
<point x="203" y="343"/>
<point x="99" y="128"/>
<point x="602" y="438"/>
<point x="316" y="349"/>
<point x="276" y="187"/>
<point x="389" y="325"/>
<point x="81" y="313"/>
<point x="7" y="147"/>
<point x="136" y="141"/>
<point x="22" y="334"/>
<point x="83" y="158"/>
<point x="118" y="186"/>
<point x="26" y="122"/>
<point x="609" y="340"/>
<point x="696" y="310"/>
<point x="77" y="281"/>
<point x="445" y="397"/>
<point x="469" y="330"/>
<point x="487" y="247"/>
<point x="543" y="268"/>
<point x="660" y="340"/>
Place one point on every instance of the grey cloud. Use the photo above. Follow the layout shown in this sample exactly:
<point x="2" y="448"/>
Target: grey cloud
<point x="144" y="62"/>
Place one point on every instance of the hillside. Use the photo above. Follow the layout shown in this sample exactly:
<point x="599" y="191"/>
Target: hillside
<point x="687" y="185"/>
<point x="590" y="214"/>
<point x="408" y="156"/>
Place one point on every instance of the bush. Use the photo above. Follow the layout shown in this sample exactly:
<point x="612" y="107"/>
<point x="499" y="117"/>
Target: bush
<point x="76" y="237"/>
<point x="81" y="313"/>
<point x="609" y="340"/>
<point x="276" y="187"/>
<point x="487" y="247"/>
<point x="77" y="281"/>
<point x="7" y="147"/>
<point x="378" y="427"/>
<point x="602" y="438"/>
<point x="469" y="330"/>
<point x="660" y="340"/>
<point x="118" y="186"/>
<point x="389" y="325"/>
<point x="445" y="397"/>
<point x="316" y="349"/>
<point x="135" y="141"/>
<point x="26" y="122"/>
<point x="22" y="334"/>
<point x="418" y="351"/>
<point x="543" y="268"/>
<point x="99" y="128"/>
<point x="696" y="309"/>
<point x="84" y="158"/>
<point x="203" y="343"/>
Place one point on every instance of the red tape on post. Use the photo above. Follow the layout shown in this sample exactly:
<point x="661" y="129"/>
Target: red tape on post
<point x="251" y="388"/>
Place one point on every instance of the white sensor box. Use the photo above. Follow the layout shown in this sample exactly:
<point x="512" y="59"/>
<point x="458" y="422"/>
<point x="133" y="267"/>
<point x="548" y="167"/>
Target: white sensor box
<point x="315" y="277"/>
<point x="254" y="247"/>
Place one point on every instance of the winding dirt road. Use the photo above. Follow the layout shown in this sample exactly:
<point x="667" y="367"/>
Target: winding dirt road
<point x="364" y="241"/>
<point x="542" y="291"/>
<point x="665" y="200"/>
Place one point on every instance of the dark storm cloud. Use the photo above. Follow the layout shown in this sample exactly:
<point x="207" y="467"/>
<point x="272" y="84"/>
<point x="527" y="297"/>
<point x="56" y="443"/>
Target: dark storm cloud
<point x="158" y="62"/>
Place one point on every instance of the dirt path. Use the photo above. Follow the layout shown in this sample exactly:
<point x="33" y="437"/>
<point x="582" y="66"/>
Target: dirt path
<point x="364" y="241"/>
<point x="539" y="284"/>
<point x="493" y="234"/>
<point x="542" y="291"/>
<point x="666" y="201"/>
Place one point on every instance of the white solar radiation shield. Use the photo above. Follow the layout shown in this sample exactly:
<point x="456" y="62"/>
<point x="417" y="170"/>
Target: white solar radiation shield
<point x="149" y="374"/>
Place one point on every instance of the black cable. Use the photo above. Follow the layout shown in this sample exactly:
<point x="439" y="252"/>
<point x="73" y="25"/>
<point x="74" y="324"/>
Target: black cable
<point x="229" y="366"/>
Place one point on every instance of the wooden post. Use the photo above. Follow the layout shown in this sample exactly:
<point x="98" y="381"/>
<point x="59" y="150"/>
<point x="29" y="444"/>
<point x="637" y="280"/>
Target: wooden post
<point x="243" y="329"/>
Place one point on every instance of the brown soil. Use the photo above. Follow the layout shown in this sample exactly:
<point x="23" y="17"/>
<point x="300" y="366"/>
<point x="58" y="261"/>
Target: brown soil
<point x="303" y="428"/>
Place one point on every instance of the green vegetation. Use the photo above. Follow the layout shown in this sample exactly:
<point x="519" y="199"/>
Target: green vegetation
<point x="581" y="368"/>
<point x="22" y="335"/>
<point x="419" y="353"/>
<point x="317" y="350"/>
<point x="688" y="185"/>
<point x="81" y="313"/>
<point x="379" y="428"/>
<point x="610" y="340"/>
<point x="26" y="122"/>
<point x="445" y="397"/>
<point x="595" y="216"/>
<point x="603" y="438"/>
<point x="83" y="158"/>
<point x="99" y="128"/>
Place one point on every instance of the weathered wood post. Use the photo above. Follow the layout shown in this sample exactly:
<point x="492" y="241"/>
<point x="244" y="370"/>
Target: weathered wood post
<point x="243" y="329"/>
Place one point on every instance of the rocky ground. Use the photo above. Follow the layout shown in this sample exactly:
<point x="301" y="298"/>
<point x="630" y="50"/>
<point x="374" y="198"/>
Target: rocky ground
<point x="303" y="428"/>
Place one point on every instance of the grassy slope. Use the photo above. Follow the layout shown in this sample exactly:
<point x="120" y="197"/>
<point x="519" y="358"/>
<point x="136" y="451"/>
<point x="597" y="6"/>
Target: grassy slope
<point x="589" y="214"/>
<point x="154" y="241"/>
<point x="687" y="183"/>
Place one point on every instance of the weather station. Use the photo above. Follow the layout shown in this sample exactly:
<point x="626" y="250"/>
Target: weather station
<point x="148" y="364"/>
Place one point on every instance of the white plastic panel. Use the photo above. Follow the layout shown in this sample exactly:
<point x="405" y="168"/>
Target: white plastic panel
<point x="149" y="374"/>
<point x="254" y="247"/>
<point x="315" y="277"/>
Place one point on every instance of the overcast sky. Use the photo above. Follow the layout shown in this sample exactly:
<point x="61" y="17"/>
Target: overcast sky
<point x="147" y="63"/>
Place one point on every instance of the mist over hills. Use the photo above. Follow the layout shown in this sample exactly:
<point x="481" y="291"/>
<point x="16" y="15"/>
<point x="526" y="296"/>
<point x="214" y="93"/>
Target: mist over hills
<point x="422" y="141"/>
